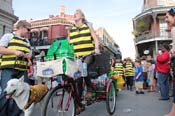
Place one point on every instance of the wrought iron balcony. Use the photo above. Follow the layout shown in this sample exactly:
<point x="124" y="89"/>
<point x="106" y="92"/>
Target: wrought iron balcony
<point x="40" y="42"/>
<point x="143" y="36"/>
<point x="148" y="35"/>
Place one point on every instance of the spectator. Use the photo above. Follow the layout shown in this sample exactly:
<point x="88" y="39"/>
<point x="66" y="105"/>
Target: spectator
<point x="150" y="74"/>
<point x="144" y="66"/>
<point x="138" y="77"/>
<point x="170" y="19"/>
<point x="129" y="73"/>
<point x="163" y="69"/>
<point x="118" y="66"/>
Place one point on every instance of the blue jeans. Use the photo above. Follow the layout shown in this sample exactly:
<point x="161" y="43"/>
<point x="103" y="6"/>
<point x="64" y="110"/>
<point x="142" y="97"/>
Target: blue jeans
<point x="164" y="85"/>
<point x="8" y="107"/>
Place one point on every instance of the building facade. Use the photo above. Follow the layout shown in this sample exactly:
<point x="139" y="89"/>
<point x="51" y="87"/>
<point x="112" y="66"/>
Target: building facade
<point x="7" y="17"/>
<point x="149" y="27"/>
<point x="107" y="42"/>
<point x="45" y="31"/>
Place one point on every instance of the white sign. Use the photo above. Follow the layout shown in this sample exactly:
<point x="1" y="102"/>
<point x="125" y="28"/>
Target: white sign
<point x="146" y="52"/>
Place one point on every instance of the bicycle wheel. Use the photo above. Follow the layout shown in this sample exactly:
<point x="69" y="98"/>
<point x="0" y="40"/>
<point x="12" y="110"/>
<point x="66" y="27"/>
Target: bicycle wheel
<point x="111" y="99"/>
<point x="59" y="102"/>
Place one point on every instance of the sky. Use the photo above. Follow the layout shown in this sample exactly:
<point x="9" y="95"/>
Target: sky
<point x="114" y="15"/>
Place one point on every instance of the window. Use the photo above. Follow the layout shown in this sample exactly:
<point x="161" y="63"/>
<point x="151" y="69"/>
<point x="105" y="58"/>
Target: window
<point x="163" y="27"/>
<point x="160" y="2"/>
<point x="3" y="29"/>
<point x="45" y="33"/>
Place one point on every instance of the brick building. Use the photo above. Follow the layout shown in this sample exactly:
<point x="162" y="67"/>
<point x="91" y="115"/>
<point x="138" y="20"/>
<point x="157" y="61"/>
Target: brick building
<point x="45" y="31"/>
<point x="149" y="26"/>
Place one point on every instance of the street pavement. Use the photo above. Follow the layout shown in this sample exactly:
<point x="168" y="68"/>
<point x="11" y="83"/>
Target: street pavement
<point x="130" y="104"/>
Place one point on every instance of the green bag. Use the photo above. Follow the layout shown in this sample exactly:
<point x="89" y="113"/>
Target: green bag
<point x="60" y="48"/>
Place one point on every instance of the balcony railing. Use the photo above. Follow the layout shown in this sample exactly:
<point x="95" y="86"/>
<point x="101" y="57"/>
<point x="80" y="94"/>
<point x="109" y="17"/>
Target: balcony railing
<point x="41" y="42"/>
<point x="144" y="36"/>
<point x="37" y="42"/>
<point x="148" y="35"/>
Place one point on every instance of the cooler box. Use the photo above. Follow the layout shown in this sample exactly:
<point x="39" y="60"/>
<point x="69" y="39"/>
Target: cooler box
<point x="55" y="67"/>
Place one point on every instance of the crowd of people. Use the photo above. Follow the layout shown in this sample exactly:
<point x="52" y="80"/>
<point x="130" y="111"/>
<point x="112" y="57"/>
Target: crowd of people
<point x="152" y="74"/>
<point x="140" y="73"/>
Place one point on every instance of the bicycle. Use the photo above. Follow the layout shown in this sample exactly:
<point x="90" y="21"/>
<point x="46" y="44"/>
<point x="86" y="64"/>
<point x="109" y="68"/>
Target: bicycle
<point x="63" y="98"/>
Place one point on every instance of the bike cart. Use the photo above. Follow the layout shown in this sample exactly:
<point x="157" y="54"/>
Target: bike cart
<point x="105" y="89"/>
<point x="62" y="97"/>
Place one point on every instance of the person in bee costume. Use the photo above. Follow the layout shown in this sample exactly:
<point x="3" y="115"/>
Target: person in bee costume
<point x="16" y="54"/>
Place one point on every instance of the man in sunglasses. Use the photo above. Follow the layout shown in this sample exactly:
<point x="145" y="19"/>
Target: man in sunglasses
<point x="170" y="20"/>
<point x="16" y="54"/>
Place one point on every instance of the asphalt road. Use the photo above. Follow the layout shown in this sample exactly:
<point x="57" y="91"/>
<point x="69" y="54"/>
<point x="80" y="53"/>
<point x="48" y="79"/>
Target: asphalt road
<point x="129" y="104"/>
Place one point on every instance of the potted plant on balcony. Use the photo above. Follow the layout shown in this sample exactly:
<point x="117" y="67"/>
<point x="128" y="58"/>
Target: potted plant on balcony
<point x="135" y="33"/>
<point x="141" y="26"/>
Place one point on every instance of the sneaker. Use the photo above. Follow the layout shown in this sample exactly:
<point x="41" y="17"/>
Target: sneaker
<point x="137" y="92"/>
<point x="164" y="98"/>
<point x="141" y="92"/>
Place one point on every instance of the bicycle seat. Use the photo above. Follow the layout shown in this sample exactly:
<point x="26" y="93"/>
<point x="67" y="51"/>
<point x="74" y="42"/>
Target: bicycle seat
<point x="93" y="75"/>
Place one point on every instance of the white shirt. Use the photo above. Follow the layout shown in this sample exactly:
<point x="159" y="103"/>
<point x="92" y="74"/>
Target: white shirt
<point x="7" y="37"/>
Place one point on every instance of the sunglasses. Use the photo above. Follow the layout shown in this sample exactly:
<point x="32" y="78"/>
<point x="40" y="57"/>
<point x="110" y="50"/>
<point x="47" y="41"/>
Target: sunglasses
<point x="28" y="29"/>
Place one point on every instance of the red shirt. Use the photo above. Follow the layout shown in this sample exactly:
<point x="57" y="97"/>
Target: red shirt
<point x="163" y="61"/>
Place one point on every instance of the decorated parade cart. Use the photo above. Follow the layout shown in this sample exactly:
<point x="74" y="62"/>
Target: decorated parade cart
<point x="61" y="66"/>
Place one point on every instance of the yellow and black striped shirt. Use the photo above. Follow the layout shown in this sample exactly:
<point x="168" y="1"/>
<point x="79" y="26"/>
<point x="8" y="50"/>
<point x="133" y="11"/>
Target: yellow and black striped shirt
<point x="118" y="66"/>
<point x="129" y="70"/>
<point x="11" y="61"/>
<point x="82" y="40"/>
